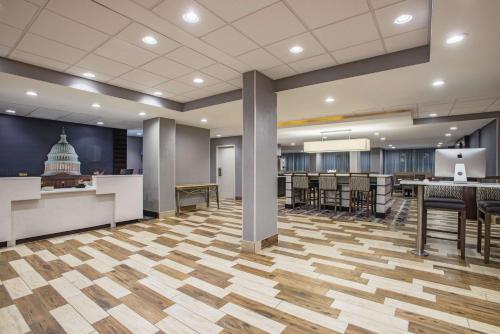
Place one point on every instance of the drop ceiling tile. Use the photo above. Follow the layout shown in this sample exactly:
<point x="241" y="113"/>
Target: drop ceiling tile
<point x="67" y="31"/>
<point x="8" y="35"/>
<point x="143" y="77"/>
<point x="407" y="40"/>
<point x="306" y="41"/>
<point x="231" y="10"/>
<point x="147" y="3"/>
<point x="38" y="2"/>
<point x="327" y="11"/>
<point x="29" y="58"/>
<point x="366" y="50"/>
<point x="382" y="3"/>
<point x="417" y="8"/>
<point x="17" y="13"/>
<point x="361" y="30"/>
<point x="49" y="113"/>
<point x="49" y="49"/>
<point x="124" y="52"/>
<point x="238" y="82"/>
<point x="441" y="109"/>
<point x="198" y="94"/>
<point x="474" y="103"/>
<point x="173" y="10"/>
<point x="221" y="72"/>
<point x="230" y="40"/>
<point x="493" y="107"/>
<point x="128" y="84"/>
<point x="175" y="87"/>
<point x="270" y="24"/>
<point x="221" y="87"/>
<point x="466" y="110"/>
<point x="91" y="14"/>
<point x="181" y="98"/>
<point x="207" y="80"/>
<point x="313" y="63"/>
<point x="21" y="109"/>
<point x="189" y="57"/>
<point x="78" y="118"/>
<point x="78" y="71"/>
<point x="103" y="65"/>
<point x="166" y="68"/>
<point x="279" y="72"/>
<point x="135" y="32"/>
<point x="259" y="59"/>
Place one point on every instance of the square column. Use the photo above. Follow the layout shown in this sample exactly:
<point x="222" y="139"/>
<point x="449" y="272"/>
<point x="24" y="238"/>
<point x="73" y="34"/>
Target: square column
<point x="355" y="162"/>
<point x="260" y="209"/>
<point x="159" y="166"/>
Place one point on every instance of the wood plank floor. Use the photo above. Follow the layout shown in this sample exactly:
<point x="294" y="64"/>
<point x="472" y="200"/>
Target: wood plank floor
<point x="187" y="275"/>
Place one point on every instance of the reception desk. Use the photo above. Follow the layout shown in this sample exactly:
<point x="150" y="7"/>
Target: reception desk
<point x="28" y="212"/>
<point x="382" y="182"/>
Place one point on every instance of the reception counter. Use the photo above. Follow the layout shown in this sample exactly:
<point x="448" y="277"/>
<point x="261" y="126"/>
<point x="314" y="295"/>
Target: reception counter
<point x="382" y="182"/>
<point x="28" y="212"/>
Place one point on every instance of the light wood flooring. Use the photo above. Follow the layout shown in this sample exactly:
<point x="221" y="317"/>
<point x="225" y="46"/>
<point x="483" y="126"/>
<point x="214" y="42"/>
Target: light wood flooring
<point x="187" y="275"/>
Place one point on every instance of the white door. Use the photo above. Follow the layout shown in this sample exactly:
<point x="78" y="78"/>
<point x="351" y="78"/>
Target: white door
<point x="226" y="171"/>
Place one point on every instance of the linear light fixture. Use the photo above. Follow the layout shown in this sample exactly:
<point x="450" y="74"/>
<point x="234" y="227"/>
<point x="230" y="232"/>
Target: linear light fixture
<point x="341" y="145"/>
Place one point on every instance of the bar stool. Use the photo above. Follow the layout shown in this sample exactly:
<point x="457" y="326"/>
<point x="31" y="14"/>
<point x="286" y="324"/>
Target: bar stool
<point x="300" y="187"/>
<point x="488" y="211"/>
<point x="328" y="190"/>
<point x="360" y="190"/>
<point x="446" y="198"/>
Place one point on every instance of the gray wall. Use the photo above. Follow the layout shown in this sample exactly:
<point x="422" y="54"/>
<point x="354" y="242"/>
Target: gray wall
<point x="487" y="137"/>
<point x="192" y="160"/>
<point x="376" y="160"/>
<point x="134" y="153"/>
<point x="237" y="142"/>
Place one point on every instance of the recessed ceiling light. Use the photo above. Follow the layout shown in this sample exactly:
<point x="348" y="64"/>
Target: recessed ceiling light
<point x="376" y="133"/>
<point x="31" y="93"/>
<point x="198" y="80"/>
<point x="324" y="137"/>
<point x="382" y="139"/>
<point x="330" y="99"/>
<point x="455" y="38"/>
<point x="89" y="75"/>
<point x="433" y="115"/>
<point x="296" y="49"/>
<point x="453" y="128"/>
<point x="390" y="145"/>
<point x="150" y="40"/>
<point x="96" y="105"/>
<point x="190" y="17"/>
<point x="158" y="93"/>
<point x="204" y="120"/>
<point x="394" y="147"/>
<point x="293" y="144"/>
<point x="142" y="113"/>
<point x="438" y="83"/>
<point x="10" y="111"/>
<point x="402" y="19"/>
<point x="447" y="134"/>
<point x="218" y="135"/>
<point x="440" y="143"/>
<point x="100" y="123"/>
<point x="139" y="133"/>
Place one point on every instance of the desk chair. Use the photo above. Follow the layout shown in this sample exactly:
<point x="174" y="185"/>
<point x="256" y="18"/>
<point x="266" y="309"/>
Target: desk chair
<point x="329" y="190"/>
<point x="446" y="198"/>
<point x="361" y="191"/>
<point x="488" y="211"/>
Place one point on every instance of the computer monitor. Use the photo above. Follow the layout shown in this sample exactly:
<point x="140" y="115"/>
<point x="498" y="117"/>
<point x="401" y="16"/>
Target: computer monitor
<point x="460" y="163"/>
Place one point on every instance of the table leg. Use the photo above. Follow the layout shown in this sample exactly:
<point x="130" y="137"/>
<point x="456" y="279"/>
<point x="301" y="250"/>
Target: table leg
<point x="420" y="244"/>
<point x="208" y="197"/>
<point x="217" y="195"/>
<point x="177" y="203"/>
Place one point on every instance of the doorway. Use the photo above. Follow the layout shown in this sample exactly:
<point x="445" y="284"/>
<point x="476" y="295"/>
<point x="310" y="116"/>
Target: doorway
<point x="225" y="171"/>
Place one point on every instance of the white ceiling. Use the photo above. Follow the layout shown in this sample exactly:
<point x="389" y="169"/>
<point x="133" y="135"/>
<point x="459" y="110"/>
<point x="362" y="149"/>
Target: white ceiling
<point x="232" y="36"/>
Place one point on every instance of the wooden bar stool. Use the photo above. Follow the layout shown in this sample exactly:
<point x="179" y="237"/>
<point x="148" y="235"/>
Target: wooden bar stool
<point x="446" y="198"/>
<point x="300" y="187"/>
<point x="488" y="211"/>
<point x="329" y="191"/>
<point x="361" y="192"/>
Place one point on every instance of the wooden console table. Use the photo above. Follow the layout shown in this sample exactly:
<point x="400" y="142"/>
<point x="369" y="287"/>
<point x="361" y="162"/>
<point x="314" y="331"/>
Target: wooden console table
<point x="190" y="189"/>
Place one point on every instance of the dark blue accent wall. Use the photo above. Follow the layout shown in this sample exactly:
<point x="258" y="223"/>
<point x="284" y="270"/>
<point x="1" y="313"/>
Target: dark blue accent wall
<point x="486" y="137"/>
<point x="25" y="143"/>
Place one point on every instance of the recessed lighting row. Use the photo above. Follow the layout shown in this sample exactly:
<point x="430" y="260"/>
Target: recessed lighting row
<point x="10" y="111"/>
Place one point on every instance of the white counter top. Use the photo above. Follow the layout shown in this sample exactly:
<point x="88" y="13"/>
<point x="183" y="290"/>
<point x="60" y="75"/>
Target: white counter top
<point x="67" y="190"/>
<point x="450" y="183"/>
<point x="342" y="174"/>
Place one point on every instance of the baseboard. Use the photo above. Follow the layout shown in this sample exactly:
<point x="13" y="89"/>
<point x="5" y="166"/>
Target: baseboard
<point x="238" y="198"/>
<point x="166" y="214"/>
<point x="148" y="213"/>
<point x="256" y="246"/>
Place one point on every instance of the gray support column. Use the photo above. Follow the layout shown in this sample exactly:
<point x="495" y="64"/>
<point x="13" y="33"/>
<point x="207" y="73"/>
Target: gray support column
<point x="159" y="165"/>
<point x="319" y="162"/>
<point x="376" y="161"/>
<point x="260" y="212"/>
<point x="355" y="162"/>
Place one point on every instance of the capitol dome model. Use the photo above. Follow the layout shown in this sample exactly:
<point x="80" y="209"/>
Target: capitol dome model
<point x="62" y="158"/>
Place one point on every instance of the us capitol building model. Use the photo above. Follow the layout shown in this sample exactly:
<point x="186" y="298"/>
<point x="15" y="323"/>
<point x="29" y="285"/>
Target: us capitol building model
<point x="62" y="158"/>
